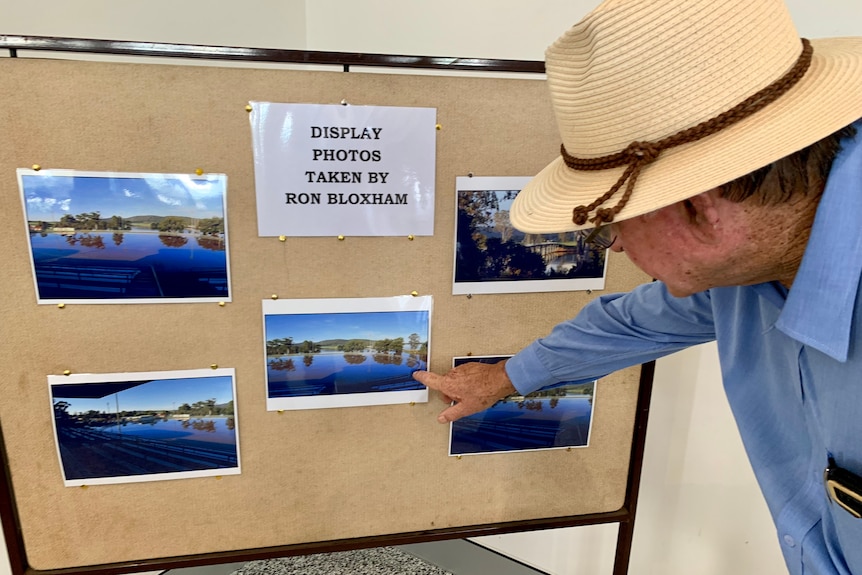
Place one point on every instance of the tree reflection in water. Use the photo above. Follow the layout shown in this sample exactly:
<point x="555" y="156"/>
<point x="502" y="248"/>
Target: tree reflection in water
<point x="230" y="423"/>
<point x="215" y="244"/>
<point x="386" y="359"/>
<point x="118" y="238"/>
<point x="200" y="425"/>
<point x="537" y="404"/>
<point x="86" y="241"/>
<point x="173" y="241"/>
<point x="354" y="359"/>
<point x="530" y="404"/>
<point x="307" y="359"/>
<point x="282" y="364"/>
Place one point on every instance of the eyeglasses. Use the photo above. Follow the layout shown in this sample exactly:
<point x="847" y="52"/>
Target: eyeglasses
<point x="844" y="488"/>
<point x="601" y="237"/>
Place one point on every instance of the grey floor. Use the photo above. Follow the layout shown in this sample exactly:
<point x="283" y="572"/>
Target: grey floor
<point x="458" y="556"/>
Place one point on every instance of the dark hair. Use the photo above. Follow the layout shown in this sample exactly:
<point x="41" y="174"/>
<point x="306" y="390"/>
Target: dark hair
<point x="800" y="173"/>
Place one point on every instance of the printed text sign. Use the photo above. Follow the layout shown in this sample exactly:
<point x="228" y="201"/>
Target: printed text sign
<point x="328" y="170"/>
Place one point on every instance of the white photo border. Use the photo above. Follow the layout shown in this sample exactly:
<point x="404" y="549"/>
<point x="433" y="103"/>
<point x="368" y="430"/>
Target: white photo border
<point x="492" y="183"/>
<point x="107" y="175"/>
<point x="84" y="378"/>
<point x="345" y="305"/>
<point x="502" y="357"/>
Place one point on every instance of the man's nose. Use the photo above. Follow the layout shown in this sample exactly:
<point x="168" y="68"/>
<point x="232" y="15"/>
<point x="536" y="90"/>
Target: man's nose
<point x="617" y="243"/>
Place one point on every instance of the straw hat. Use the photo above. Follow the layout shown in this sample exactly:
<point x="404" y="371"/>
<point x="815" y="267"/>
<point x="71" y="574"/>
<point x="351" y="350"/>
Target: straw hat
<point x="644" y="70"/>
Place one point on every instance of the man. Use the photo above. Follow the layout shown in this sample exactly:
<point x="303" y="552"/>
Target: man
<point x="718" y="150"/>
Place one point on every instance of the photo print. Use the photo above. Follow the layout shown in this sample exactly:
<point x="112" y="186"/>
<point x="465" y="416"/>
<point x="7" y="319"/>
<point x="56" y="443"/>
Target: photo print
<point x="109" y="237"/>
<point x="145" y="426"/>
<point x="491" y="256"/>
<point x="345" y="352"/>
<point x="554" y="417"/>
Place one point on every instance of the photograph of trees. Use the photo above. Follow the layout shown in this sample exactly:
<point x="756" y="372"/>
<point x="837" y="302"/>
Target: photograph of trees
<point x="142" y="427"/>
<point x="490" y="250"/>
<point x="120" y="237"/>
<point x="344" y="352"/>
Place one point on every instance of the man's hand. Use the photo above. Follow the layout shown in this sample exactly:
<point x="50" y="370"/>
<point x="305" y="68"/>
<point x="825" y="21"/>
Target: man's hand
<point x="474" y="386"/>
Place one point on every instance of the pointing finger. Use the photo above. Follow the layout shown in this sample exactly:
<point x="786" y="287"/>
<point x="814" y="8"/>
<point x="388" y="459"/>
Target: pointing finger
<point x="428" y="379"/>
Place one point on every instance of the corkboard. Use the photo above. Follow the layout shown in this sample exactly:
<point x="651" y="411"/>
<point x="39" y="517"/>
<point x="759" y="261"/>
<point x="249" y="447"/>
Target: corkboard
<point x="307" y="476"/>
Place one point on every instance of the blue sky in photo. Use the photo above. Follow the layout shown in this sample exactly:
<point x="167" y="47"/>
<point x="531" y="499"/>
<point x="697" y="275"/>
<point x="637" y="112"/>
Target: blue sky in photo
<point x="356" y="325"/>
<point x="154" y="395"/>
<point x="505" y="205"/>
<point x="50" y="197"/>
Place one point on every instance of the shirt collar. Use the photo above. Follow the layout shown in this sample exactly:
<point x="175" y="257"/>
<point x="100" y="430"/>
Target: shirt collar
<point x="819" y="307"/>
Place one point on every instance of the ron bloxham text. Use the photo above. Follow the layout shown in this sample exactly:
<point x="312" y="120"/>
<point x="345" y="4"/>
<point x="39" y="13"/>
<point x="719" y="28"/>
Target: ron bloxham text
<point x="345" y="199"/>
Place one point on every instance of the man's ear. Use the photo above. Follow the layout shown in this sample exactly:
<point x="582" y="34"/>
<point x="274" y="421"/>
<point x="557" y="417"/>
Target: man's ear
<point x="705" y="215"/>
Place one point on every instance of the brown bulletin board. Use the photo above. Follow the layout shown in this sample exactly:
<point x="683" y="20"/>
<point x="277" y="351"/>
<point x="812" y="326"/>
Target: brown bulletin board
<point x="308" y="477"/>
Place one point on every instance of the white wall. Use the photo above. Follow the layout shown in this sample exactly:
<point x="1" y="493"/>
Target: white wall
<point x="700" y="510"/>
<point x="250" y="23"/>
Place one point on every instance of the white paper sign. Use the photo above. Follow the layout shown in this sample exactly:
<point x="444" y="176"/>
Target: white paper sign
<point x="329" y="170"/>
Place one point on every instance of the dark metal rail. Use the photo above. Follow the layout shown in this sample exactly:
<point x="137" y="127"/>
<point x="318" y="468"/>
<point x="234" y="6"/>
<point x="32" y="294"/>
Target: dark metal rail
<point x="344" y="59"/>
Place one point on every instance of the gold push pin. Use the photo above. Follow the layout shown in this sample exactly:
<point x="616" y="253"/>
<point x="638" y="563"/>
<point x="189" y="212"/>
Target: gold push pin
<point x="457" y="457"/>
<point x="67" y="372"/>
<point x="340" y="238"/>
<point x="439" y="127"/>
<point x="248" y="108"/>
<point x="221" y="304"/>
<point x="84" y="486"/>
<point x="410" y="237"/>
<point x="61" y="305"/>
<point x="36" y="167"/>
<point x="213" y="366"/>
<point x="414" y="293"/>
<point x="218" y="477"/>
<point x="274" y="296"/>
<point x="282" y="238"/>
<point x="199" y="172"/>
<point x="280" y="411"/>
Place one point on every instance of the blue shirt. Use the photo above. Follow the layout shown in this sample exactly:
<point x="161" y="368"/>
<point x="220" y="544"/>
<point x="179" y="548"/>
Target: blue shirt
<point x="791" y="363"/>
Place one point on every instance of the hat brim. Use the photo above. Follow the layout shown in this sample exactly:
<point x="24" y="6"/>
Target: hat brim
<point x="827" y="98"/>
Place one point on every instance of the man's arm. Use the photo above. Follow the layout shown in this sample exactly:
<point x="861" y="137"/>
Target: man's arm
<point x="610" y="333"/>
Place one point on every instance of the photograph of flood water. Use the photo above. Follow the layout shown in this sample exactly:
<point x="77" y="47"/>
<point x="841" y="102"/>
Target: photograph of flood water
<point x="492" y="256"/>
<point x="344" y="358"/>
<point x="145" y="426"/>
<point x="558" y="416"/>
<point x="126" y="238"/>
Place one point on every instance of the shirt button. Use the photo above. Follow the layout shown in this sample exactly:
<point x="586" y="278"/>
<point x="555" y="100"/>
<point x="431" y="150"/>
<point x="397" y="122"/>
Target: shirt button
<point x="790" y="541"/>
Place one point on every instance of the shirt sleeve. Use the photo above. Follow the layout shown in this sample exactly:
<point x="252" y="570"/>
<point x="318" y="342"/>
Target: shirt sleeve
<point x="613" y="332"/>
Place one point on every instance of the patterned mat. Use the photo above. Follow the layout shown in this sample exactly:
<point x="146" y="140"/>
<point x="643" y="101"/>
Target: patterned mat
<point x="377" y="561"/>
